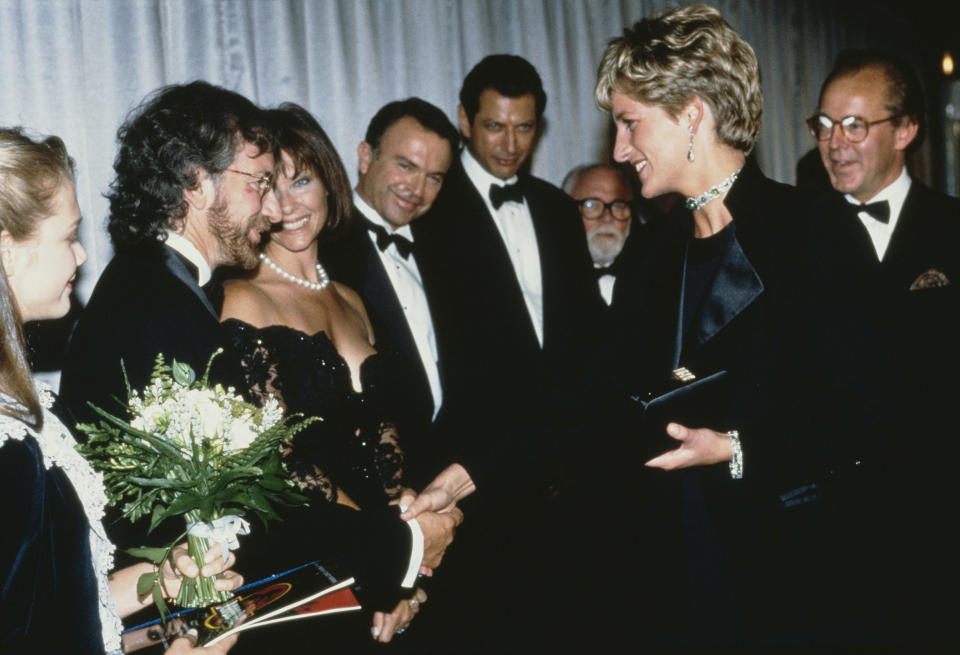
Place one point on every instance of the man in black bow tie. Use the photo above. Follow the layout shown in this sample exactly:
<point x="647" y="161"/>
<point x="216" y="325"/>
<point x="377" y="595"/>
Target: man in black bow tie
<point x="520" y="296"/>
<point x="403" y="160"/>
<point x="604" y="199"/>
<point x="871" y="115"/>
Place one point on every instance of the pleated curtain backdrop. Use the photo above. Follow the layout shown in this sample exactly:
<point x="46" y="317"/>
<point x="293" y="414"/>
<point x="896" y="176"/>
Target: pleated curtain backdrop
<point x="75" y="68"/>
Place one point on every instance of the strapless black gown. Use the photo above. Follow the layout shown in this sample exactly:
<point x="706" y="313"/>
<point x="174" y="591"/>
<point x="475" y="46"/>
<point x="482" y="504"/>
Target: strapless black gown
<point x="354" y="447"/>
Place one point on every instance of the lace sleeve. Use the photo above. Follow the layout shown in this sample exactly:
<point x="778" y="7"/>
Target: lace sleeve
<point x="261" y="369"/>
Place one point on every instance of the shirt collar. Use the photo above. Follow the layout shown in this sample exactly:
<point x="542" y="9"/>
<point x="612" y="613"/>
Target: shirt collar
<point x="374" y="217"/>
<point x="894" y="193"/>
<point x="186" y="248"/>
<point x="481" y="178"/>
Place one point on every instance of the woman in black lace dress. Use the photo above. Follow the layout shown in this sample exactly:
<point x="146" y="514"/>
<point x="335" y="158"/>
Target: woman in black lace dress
<point x="308" y="341"/>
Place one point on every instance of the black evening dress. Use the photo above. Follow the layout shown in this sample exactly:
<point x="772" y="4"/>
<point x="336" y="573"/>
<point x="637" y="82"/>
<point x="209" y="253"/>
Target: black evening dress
<point x="353" y="450"/>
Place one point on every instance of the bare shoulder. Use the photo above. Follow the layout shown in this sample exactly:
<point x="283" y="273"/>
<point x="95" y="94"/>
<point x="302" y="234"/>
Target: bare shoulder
<point x="352" y="299"/>
<point x="248" y="301"/>
<point x="350" y="296"/>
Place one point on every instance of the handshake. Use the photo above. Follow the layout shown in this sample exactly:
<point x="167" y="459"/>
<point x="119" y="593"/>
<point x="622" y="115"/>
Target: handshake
<point x="435" y="510"/>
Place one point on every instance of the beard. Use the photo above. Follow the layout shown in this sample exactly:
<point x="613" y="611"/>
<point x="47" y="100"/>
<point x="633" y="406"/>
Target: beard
<point x="605" y="242"/>
<point x="235" y="246"/>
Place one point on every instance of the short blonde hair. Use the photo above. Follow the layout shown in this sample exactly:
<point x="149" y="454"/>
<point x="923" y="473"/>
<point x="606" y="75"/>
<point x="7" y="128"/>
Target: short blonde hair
<point x="684" y="52"/>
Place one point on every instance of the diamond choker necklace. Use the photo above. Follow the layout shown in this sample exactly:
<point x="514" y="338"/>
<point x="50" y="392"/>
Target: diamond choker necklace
<point x="315" y="286"/>
<point x="693" y="204"/>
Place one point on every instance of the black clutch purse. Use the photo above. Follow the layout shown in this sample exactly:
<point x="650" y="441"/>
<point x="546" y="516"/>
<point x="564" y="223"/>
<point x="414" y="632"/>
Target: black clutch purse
<point x="696" y="402"/>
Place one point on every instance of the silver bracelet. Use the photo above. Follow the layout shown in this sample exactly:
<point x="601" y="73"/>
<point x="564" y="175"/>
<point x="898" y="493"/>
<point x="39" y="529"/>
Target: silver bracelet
<point x="736" y="455"/>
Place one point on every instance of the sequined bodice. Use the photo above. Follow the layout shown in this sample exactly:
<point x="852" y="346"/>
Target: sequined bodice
<point x="354" y="448"/>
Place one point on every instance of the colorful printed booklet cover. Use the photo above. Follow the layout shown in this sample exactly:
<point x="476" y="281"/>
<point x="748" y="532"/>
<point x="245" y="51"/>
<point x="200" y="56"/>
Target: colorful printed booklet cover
<point x="306" y="591"/>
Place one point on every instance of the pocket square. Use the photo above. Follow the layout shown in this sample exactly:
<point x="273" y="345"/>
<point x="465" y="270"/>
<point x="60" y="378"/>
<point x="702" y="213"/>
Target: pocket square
<point x="930" y="280"/>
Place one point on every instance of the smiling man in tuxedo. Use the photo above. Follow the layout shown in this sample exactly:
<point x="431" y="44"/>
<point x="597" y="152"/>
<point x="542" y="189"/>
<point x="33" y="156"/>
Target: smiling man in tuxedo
<point x="190" y="195"/>
<point x="384" y="256"/>
<point x="871" y="115"/>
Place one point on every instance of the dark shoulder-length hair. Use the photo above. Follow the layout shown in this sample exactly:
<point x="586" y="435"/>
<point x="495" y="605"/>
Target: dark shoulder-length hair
<point x="177" y="132"/>
<point x="31" y="172"/>
<point x="298" y="134"/>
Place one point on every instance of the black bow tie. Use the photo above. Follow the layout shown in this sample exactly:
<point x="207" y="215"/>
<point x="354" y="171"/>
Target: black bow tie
<point x="501" y="194"/>
<point x="384" y="239"/>
<point x="613" y="269"/>
<point x="880" y="210"/>
<point x="604" y="270"/>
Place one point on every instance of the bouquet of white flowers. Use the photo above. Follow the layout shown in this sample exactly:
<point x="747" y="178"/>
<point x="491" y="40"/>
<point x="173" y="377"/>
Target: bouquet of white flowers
<point x="198" y="451"/>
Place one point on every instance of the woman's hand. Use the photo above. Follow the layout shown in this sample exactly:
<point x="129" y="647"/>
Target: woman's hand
<point x="385" y="626"/>
<point x="698" y="447"/>
<point x="123" y="582"/>
<point x="185" y="566"/>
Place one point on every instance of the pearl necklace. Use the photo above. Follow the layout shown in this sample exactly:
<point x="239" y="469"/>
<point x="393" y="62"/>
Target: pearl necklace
<point x="315" y="286"/>
<point x="693" y="204"/>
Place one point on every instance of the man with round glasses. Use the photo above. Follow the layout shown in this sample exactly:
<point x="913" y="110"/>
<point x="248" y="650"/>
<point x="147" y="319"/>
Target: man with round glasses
<point x="604" y="199"/>
<point x="871" y="115"/>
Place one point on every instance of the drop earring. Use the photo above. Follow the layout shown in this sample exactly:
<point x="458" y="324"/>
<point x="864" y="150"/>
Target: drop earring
<point x="690" y="149"/>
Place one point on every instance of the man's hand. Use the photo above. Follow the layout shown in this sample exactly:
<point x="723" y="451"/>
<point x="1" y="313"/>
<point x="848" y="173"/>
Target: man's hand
<point x="385" y="626"/>
<point x="449" y="487"/>
<point x="698" y="447"/>
<point x="438" y="529"/>
<point x="187" y="645"/>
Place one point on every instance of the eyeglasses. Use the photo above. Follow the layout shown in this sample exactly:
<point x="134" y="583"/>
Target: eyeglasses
<point x="855" y="128"/>
<point x="264" y="182"/>
<point x="592" y="209"/>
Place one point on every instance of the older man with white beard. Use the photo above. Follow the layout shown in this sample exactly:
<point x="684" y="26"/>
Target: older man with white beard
<point x="604" y="198"/>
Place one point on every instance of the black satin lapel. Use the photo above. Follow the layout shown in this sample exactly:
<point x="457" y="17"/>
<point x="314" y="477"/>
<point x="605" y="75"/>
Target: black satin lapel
<point x="173" y="264"/>
<point x="734" y="287"/>
<point x="383" y="300"/>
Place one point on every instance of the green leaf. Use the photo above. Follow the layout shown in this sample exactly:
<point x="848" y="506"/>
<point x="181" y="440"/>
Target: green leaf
<point x="155" y="555"/>
<point x="146" y="582"/>
<point x="163" y="483"/>
<point x="182" y="373"/>
<point x="160" y="602"/>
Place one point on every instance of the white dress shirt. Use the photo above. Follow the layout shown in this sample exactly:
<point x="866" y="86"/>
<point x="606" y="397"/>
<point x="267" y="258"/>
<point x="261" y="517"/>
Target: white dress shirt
<point x="606" y="283"/>
<point x="183" y="246"/>
<point x="407" y="283"/>
<point x="515" y="224"/>
<point x="895" y="194"/>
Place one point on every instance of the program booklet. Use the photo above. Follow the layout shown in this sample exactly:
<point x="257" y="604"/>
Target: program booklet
<point x="306" y="591"/>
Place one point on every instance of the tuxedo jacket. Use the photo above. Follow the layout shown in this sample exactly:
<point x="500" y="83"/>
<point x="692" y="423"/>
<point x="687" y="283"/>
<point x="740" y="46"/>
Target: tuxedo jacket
<point x="787" y="317"/>
<point x="352" y="259"/>
<point x="148" y="301"/>
<point x="924" y="252"/>
<point x="499" y="379"/>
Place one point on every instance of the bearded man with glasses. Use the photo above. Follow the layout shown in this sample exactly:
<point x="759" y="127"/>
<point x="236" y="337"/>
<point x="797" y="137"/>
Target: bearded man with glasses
<point x="604" y="199"/>
<point x="871" y="116"/>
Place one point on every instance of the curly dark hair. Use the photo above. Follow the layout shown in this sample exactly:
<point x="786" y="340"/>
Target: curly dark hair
<point x="298" y="134"/>
<point x="177" y="131"/>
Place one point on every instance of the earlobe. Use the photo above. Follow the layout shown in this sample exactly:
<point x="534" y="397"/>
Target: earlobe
<point x="7" y="253"/>
<point x="906" y="133"/>
<point x="464" y="121"/>
<point x="694" y="113"/>
<point x="364" y="156"/>
<point x="201" y="197"/>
